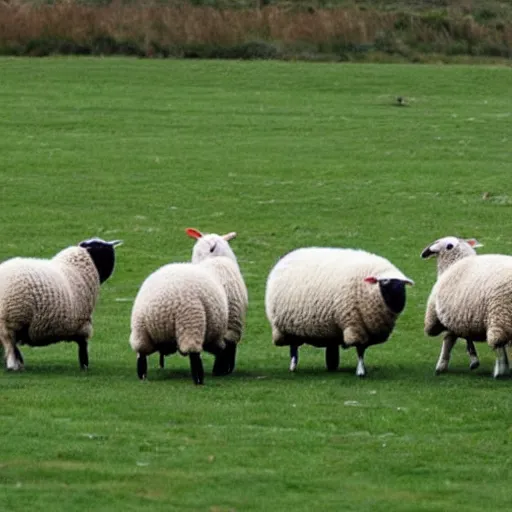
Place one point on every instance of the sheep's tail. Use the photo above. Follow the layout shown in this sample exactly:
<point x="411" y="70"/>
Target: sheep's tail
<point x="190" y="333"/>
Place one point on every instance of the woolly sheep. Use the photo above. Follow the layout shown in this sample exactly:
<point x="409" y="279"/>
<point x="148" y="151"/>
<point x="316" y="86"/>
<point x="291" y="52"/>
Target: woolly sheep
<point x="448" y="250"/>
<point x="471" y="299"/>
<point x="327" y="297"/>
<point x="45" y="301"/>
<point x="190" y="307"/>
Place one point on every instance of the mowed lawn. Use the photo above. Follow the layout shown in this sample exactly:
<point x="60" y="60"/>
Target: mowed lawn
<point x="287" y="155"/>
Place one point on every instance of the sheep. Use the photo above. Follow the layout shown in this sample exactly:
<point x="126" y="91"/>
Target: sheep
<point x="193" y="306"/>
<point x="45" y="301"/>
<point x="471" y="299"/>
<point x="327" y="297"/>
<point x="448" y="250"/>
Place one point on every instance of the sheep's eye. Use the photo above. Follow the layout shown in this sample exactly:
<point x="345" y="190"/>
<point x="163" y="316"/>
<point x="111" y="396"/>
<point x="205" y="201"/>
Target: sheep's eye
<point x="384" y="282"/>
<point x="449" y="247"/>
<point x="212" y="248"/>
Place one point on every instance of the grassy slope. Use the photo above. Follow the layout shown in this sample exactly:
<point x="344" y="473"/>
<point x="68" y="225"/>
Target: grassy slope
<point x="287" y="155"/>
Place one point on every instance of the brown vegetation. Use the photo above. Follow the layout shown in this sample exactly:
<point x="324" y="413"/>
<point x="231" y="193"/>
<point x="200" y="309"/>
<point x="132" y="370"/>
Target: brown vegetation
<point x="152" y="29"/>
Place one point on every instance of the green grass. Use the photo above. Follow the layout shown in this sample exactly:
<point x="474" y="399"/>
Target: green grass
<point x="288" y="155"/>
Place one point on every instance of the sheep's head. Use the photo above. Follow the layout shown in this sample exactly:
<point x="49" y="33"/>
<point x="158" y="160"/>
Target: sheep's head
<point x="392" y="289"/>
<point x="102" y="254"/>
<point x="450" y="249"/>
<point x="210" y="245"/>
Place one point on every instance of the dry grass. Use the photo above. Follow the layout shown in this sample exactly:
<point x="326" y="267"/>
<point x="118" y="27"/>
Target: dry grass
<point x="150" y="29"/>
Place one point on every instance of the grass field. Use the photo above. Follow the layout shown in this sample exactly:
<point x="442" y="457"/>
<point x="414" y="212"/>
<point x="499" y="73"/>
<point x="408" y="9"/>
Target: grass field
<point x="287" y="155"/>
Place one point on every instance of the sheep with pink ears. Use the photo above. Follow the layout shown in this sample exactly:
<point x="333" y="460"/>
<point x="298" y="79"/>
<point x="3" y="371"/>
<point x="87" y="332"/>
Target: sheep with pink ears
<point x="332" y="297"/>
<point x="193" y="306"/>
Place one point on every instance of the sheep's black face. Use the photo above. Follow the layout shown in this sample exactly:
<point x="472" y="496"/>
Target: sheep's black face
<point x="102" y="254"/>
<point x="393" y="293"/>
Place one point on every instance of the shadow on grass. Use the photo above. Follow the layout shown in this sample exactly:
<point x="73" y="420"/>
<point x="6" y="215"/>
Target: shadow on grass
<point x="345" y="374"/>
<point x="408" y="374"/>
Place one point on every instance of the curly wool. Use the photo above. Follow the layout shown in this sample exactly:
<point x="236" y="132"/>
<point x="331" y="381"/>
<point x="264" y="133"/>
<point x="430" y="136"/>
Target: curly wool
<point x="473" y="299"/>
<point x="319" y="294"/>
<point x="229" y="275"/>
<point x="49" y="300"/>
<point x="182" y="306"/>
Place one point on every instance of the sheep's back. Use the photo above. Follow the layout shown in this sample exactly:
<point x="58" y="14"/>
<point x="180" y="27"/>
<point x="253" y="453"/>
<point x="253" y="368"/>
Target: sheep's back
<point x="175" y="292"/>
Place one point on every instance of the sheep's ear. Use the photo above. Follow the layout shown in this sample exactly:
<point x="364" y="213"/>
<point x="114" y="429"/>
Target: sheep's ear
<point x="371" y="280"/>
<point x="229" y="236"/>
<point x="408" y="281"/>
<point x="193" y="233"/>
<point x="474" y="243"/>
<point x="115" y="243"/>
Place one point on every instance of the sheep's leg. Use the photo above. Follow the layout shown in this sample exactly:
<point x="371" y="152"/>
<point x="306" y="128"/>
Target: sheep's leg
<point x="355" y="336"/>
<point x="83" y="353"/>
<point x="220" y="366"/>
<point x="332" y="357"/>
<point x="225" y="360"/>
<point x="361" y="368"/>
<point x="497" y="339"/>
<point x="231" y="356"/>
<point x="162" y="360"/>
<point x="11" y="352"/>
<point x="196" y="367"/>
<point x="444" y="358"/>
<point x="221" y="363"/>
<point x="474" y="362"/>
<point x="294" y="357"/>
<point x="501" y="367"/>
<point x="142" y="366"/>
<point x="18" y="355"/>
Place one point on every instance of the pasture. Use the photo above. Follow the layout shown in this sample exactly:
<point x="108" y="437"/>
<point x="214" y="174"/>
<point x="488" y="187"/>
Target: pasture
<point x="287" y="155"/>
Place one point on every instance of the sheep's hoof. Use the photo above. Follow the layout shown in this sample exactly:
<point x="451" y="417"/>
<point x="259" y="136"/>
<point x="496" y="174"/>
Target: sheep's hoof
<point x="360" y="370"/>
<point x="501" y="370"/>
<point x="196" y="367"/>
<point x="18" y="368"/>
<point x="231" y="356"/>
<point x="441" y="367"/>
<point x="293" y="364"/>
<point x="14" y="365"/>
<point x="474" y="364"/>
<point x="142" y="366"/>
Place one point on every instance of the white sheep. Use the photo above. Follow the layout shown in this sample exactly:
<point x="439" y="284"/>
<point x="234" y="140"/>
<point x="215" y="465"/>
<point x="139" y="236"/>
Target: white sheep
<point x="45" y="301"/>
<point x="327" y="297"/>
<point x="471" y="299"/>
<point x="190" y="307"/>
<point x="447" y="251"/>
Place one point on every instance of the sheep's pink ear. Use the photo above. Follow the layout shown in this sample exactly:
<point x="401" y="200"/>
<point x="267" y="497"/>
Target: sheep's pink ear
<point x="474" y="243"/>
<point x="371" y="280"/>
<point x="193" y="233"/>
<point x="229" y="236"/>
